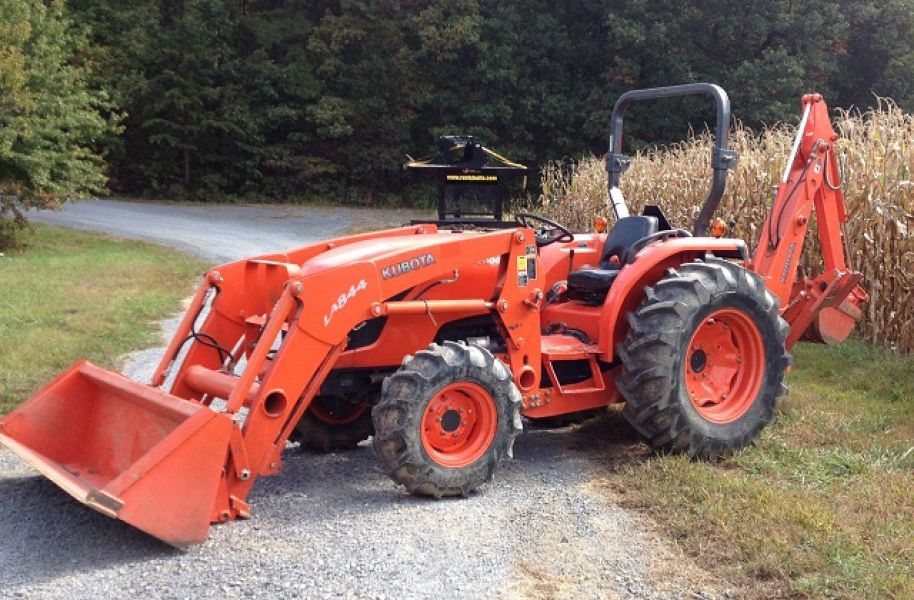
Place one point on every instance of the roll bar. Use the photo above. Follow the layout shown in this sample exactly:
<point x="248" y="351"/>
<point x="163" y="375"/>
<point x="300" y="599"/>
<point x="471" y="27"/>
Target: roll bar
<point x="722" y="158"/>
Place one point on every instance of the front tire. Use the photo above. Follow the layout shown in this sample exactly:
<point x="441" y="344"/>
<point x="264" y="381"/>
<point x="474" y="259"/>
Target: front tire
<point x="446" y="419"/>
<point x="704" y="360"/>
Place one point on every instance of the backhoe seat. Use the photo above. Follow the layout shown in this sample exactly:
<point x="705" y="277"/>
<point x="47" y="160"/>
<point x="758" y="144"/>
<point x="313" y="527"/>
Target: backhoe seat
<point x="590" y="284"/>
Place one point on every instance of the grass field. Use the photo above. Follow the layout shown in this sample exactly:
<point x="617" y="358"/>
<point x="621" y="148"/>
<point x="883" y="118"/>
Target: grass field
<point x="822" y="507"/>
<point x="70" y="295"/>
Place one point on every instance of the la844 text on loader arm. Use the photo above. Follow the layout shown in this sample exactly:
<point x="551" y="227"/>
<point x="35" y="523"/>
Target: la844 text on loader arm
<point x="437" y="342"/>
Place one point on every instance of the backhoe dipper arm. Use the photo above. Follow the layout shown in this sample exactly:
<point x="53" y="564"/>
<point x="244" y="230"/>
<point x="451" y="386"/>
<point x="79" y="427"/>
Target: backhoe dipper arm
<point x="824" y="308"/>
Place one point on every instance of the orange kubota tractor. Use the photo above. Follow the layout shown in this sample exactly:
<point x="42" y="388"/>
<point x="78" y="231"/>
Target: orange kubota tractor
<point x="437" y="342"/>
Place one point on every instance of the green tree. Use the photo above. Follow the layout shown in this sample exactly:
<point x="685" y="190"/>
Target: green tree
<point x="50" y="116"/>
<point x="284" y="86"/>
<point x="122" y="41"/>
<point x="878" y="55"/>
<point x="200" y="128"/>
<point x="765" y="53"/>
<point x="298" y="98"/>
<point x="361" y="118"/>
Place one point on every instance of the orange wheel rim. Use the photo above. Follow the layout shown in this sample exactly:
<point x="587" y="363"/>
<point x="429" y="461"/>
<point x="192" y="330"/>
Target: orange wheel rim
<point x="724" y="366"/>
<point x="459" y="424"/>
<point x="343" y="414"/>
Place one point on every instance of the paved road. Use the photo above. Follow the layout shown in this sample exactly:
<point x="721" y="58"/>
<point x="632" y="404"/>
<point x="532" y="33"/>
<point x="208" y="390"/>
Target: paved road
<point x="220" y="232"/>
<point x="334" y="525"/>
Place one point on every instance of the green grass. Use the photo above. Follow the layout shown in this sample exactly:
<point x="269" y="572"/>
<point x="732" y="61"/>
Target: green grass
<point x="823" y="506"/>
<point x="68" y="295"/>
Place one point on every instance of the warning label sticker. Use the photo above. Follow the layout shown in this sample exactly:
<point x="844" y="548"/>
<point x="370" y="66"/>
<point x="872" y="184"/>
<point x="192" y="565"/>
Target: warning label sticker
<point x="522" y="276"/>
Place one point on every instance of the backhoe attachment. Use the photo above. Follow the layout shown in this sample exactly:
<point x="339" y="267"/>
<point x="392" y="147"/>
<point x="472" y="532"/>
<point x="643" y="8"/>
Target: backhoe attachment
<point x="823" y="308"/>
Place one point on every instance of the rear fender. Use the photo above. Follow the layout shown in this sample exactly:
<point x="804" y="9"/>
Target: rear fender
<point x="648" y="267"/>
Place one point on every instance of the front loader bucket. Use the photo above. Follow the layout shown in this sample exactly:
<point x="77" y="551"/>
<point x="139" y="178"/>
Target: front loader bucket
<point x="127" y="450"/>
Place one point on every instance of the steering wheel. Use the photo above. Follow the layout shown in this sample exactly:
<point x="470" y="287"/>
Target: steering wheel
<point x="544" y="227"/>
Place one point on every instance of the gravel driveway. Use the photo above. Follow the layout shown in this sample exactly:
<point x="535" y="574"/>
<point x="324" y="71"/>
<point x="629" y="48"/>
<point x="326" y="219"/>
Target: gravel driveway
<point x="334" y="525"/>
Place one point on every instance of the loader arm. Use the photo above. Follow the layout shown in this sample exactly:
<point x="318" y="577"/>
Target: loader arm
<point x="315" y="305"/>
<point x="172" y="462"/>
<point x="823" y="308"/>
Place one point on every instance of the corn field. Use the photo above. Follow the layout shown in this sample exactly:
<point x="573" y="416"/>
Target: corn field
<point x="876" y="151"/>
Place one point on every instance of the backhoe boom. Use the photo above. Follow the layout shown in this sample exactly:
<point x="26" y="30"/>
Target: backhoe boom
<point x="825" y="307"/>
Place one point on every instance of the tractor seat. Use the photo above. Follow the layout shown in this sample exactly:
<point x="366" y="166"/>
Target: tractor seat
<point x="591" y="283"/>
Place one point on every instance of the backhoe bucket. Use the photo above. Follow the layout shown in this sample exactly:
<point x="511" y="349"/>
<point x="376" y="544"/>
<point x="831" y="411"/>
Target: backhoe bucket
<point x="127" y="450"/>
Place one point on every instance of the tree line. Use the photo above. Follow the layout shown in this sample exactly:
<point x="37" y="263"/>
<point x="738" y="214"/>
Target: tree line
<point x="296" y="99"/>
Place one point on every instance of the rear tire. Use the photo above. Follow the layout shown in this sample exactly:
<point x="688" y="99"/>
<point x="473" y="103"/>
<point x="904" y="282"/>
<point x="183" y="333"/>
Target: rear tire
<point x="704" y="360"/>
<point x="446" y="419"/>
